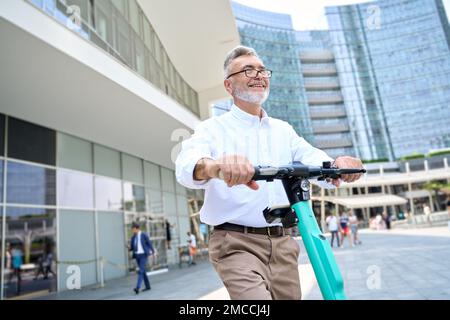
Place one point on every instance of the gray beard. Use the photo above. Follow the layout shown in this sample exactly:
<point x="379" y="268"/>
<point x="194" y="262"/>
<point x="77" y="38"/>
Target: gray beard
<point x="251" y="97"/>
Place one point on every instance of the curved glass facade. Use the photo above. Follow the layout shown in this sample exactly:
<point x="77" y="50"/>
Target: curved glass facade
<point x="393" y="62"/>
<point x="121" y="28"/>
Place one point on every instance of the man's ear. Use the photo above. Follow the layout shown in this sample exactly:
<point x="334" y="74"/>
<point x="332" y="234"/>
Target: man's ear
<point x="227" y="85"/>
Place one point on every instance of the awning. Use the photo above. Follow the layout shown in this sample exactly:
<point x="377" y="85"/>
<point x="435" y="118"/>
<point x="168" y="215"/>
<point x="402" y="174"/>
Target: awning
<point x="374" y="180"/>
<point x="365" y="201"/>
<point x="417" y="194"/>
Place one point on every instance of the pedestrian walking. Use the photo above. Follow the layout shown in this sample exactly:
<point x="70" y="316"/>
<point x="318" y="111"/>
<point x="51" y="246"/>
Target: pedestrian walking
<point x="344" y="227"/>
<point x="142" y="248"/>
<point x="332" y="223"/>
<point x="192" y="241"/>
<point x="353" y="221"/>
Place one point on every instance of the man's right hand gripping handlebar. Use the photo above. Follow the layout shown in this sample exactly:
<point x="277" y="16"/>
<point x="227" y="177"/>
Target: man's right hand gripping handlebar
<point x="233" y="169"/>
<point x="237" y="169"/>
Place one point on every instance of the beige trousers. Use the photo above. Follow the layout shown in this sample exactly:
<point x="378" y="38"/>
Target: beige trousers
<point x="256" y="267"/>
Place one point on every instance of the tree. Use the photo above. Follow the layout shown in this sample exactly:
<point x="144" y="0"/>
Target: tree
<point x="436" y="187"/>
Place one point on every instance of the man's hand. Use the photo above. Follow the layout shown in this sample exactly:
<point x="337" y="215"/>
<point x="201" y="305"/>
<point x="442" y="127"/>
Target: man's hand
<point x="347" y="163"/>
<point x="233" y="169"/>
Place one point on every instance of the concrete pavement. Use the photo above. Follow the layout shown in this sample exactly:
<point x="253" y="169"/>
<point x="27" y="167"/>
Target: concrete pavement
<point x="394" y="264"/>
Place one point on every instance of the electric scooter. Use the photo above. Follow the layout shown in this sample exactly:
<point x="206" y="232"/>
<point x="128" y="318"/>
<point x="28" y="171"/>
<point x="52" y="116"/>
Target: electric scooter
<point x="296" y="184"/>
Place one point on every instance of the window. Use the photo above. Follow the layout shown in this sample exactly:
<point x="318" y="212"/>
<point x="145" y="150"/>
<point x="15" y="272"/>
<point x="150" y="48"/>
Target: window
<point x="74" y="153"/>
<point x="152" y="175"/>
<point x="28" y="184"/>
<point x="31" y="234"/>
<point x="155" y="202"/>
<point x="123" y="39"/>
<point x="30" y="142"/>
<point x="132" y="169"/>
<point x="134" y="197"/>
<point x="140" y="59"/>
<point x="2" y="135"/>
<point x="121" y="6"/>
<point x="103" y="21"/>
<point x="75" y="189"/>
<point x="134" y="16"/>
<point x="107" y="162"/>
<point x="1" y="183"/>
<point x="148" y="36"/>
<point x="108" y="194"/>
<point x="168" y="180"/>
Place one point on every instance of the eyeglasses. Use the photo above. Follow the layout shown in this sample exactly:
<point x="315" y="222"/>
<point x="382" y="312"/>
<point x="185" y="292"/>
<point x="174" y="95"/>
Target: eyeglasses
<point x="253" y="73"/>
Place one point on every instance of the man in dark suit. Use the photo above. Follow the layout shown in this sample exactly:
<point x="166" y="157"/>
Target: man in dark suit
<point x="142" y="247"/>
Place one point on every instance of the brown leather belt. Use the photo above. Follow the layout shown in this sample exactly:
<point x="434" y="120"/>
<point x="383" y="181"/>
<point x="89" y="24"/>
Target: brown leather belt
<point x="275" y="231"/>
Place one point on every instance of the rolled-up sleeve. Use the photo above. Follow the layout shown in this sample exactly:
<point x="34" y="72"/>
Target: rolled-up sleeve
<point x="192" y="150"/>
<point x="308" y="155"/>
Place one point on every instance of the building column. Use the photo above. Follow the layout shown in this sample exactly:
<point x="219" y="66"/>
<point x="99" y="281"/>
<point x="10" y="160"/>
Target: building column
<point x="411" y="203"/>
<point x="322" y="208"/>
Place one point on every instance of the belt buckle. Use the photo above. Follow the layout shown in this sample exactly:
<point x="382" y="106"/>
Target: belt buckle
<point x="268" y="232"/>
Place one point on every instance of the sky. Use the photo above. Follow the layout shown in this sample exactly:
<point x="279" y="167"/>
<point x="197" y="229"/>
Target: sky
<point x="307" y="14"/>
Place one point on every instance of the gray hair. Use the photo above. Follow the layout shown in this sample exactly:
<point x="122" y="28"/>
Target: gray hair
<point x="234" y="54"/>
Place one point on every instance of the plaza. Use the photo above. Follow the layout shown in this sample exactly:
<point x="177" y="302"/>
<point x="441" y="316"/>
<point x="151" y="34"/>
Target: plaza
<point x="412" y="264"/>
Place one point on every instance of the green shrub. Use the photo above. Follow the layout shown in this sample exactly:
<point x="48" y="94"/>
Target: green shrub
<point x="413" y="156"/>
<point x="376" y="160"/>
<point x="438" y="153"/>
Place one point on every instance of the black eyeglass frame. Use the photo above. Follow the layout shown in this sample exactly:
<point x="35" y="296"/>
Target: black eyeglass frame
<point x="257" y="73"/>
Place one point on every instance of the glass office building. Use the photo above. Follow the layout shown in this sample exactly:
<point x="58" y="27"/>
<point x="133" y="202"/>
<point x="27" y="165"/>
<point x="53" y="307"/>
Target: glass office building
<point x="393" y="62"/>
<point x="323" y="91"/>
<point x="375" y="85"/>
<point x="305" y="89"/>
<point x="274" y="40"/>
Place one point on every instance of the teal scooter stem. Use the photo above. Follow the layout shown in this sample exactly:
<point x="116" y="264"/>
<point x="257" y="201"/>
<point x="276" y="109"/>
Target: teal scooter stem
<point x="319" y="252"/>
<point x="297" y="187"/>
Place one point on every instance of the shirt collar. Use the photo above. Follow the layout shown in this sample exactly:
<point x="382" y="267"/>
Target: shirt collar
<point x="242" y="115"/>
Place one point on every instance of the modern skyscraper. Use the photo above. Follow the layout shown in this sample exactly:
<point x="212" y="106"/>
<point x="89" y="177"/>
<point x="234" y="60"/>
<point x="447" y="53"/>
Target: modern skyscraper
<point x="273" y="38"/>
<point x="393" y="62"/>
<point x="305" y="89"/>
<point x="376" y="84"/>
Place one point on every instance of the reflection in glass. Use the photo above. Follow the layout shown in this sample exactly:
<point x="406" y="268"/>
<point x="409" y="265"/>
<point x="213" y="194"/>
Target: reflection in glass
<point x="2" y="134"/>
<point x="155" y="202"/>
<point x="28" y="184"/>
<point x="108" y="194"/>
<point x="7" y="254"/>
<point x="134" y="197"/>
<point x="31" y="247"/>
<point x="122" y="29"/>
<point x="75" y="189"/>
<point x="168" y="180"/>
<point x="102" y="21"/>
<point x="1" y="183"/>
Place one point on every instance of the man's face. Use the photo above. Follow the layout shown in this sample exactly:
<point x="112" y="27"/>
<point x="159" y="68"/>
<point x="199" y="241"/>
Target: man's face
<point x="252" y="90"/>
<point x="135" y="230"/>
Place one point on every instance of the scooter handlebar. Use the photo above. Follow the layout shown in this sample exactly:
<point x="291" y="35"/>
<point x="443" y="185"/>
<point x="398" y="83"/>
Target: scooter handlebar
<point x="269" y="173"/>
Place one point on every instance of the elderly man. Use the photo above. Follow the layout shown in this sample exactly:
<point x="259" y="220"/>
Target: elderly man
<point x="254" y="259"/>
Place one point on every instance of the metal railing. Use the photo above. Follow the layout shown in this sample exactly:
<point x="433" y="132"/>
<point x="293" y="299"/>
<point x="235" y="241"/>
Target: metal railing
<point x="130" y="50"/>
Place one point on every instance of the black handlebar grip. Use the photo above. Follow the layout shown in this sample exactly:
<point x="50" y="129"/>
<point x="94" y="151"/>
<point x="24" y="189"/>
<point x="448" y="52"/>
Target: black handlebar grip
<point x="264" y="173"/>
